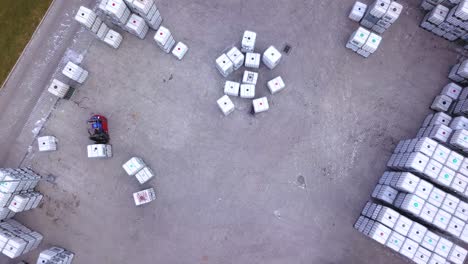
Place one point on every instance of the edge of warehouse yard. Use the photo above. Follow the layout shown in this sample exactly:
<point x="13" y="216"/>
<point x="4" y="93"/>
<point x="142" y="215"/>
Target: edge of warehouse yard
<point x="36" y="110"/>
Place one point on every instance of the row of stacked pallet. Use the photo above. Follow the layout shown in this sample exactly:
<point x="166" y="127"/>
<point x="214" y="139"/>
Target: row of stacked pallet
<point x="447" y="19"/>
<point x="427" y="184"/>
<point x="133" y="16"/>
<point x="430" y="204"/>
<point x="407" y="237"/>
<point x="17" y="195"/>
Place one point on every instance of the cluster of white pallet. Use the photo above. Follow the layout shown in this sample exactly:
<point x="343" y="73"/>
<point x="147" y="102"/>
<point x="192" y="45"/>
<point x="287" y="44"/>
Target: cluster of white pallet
<point x="363" y="42"/>
<point x="55" y="255"/>
<point x="137" y="17"/>
<point x="234" y="59"/>
<point x="446" y="20"/>
<point x="137" y="167"/>
<point x="16" y="239"/>
<point x="427" y="158"/>
<point x="379" y="16"/>
<point x="17" y="191"/>
<point x="73" y="72"/>
<point x="450" y="94"/>
<point x="407" y="237"/>
<point x="446" y="130"/>
<point x="425" y="202"/>
<point x="91" y="21"/>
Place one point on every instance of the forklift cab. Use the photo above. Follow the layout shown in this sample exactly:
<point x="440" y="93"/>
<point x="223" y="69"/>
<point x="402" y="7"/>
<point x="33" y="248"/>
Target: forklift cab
<point x="98" y="129"/>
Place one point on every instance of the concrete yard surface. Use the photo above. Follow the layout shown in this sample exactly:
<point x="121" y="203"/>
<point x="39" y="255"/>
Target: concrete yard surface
<point x="285" y="186"/>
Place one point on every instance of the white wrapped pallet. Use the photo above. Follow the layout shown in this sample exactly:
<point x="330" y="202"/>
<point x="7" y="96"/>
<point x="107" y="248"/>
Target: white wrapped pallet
<point x="459" y="122"/>
<point x="99" y="151"/>
<point x="164" y="39"/>
<point x="260" y="105"/>
<point x="97" y="24"/>
<point x="445" y="177"/>
<point x="452" y="90"/>
<point x="248" y="41"/>
<point x="18" y="203"/>
<point x="113" y="39"/>
<point x="224" y="65"/>
<point x="250" y="77"/>
<point x="372" y="43"/>
<point x="180" y="50"/>
<point x="236" y="57"/>
<point x="430" y="240"/>
<point x="137" y="26"/>
<point x="455" y="226"/>
<point x="48" y="254"/>
<point x="276" y="85"/>
<point x="154" y="19"/>
<point x="393" y="12"/>
<point x="14" y="248"/>
<point x="37" y="201"/>
<point x="422" y="256"/>
<point x="450" y="203"/>
<point x="143" y="6"/>
<point x="144" y="175"/>
<point x="225" y="105"/>
<point x="442" y="219"/>
<point x="133" y="166"/>
<point x="444" y="247"/>
<point x="403" y="225"/>
<point x="357" y="39"/>
<point x="231" y="88"/>
<point x="379" y="8"/>
<point x="459" y="184"/>
<point x="428" y="212"/>
<point x="271" y="57"/>
<point x="75" y="72"/>
<point x="441" y="103"/>
<point x="395" y="241"/>
<point x="86" y="17"/>
<point x="379" y="233"/>
<point x="462" y="211"/>
<point x="102" y="31"/>
<point x="409" y="248"/>
<point x="252" y="60"/>
<point x="39" y="237"/>
<point x="118" y="10"/>
<point x="47" y="143"/>
<point x="58" y="88"/>
<point x="457" y="255"/>
<point x="144" y="197"/>
<point x="358" y="11"/>
<point x="247" y="91"/>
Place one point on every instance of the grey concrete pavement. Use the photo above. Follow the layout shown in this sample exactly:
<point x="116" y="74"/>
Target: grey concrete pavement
<point x="283" y="187"/>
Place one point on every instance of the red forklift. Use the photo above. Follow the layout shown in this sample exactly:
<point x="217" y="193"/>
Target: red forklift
<point x="98" y="129"/>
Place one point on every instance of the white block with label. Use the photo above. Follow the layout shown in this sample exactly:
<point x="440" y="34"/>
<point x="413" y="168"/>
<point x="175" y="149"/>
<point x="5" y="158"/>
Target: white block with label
<point x="271" y="57"/>
<point x="247" y="91"/>
<point x="226" y="105"/>
<point x="276" y="85"/>
<point x="260" y="105"/>
<point x="224" y="65"/>
<point x="180" y="50"/>
<point x="231" y="88"/>
<point x="248" y="41"/>
<point x="47" y="143"/>
<point x="58" y="88"/>
<point x="144" y="197"/>
<point x="236" y="57"/>
<point x="252" y="60"/>
<point x="133" y="165"/>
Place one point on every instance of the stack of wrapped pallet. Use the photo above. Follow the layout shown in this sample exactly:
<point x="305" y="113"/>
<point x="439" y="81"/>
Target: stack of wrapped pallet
<point x="91" y="21"/>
